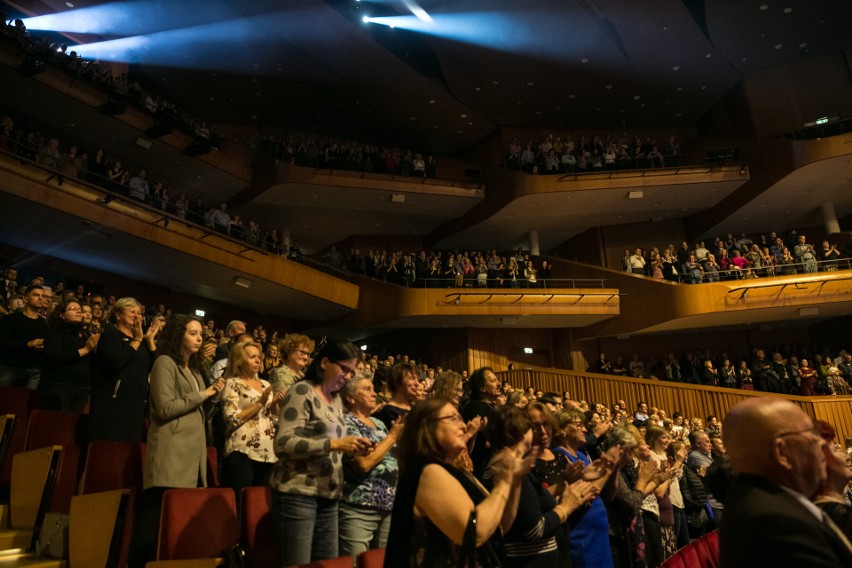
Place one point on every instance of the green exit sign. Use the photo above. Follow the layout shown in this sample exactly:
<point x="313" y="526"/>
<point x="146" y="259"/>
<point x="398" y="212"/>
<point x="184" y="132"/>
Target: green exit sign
<point x="823" y="120"/>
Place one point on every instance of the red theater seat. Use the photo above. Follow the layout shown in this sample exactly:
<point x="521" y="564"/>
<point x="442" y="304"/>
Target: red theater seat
<point x="256" y="528"/>
<point x="197" y="523"/>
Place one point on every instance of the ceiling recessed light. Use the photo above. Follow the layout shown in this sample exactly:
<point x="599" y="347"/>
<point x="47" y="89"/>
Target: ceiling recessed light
<point x="764" y="7"/>
<point x="676" y="68"/>
<point x="708" y="56"/>
<point x="464" y="116"/>
<point x="787" y="10"/>
<point x="636" y="98"/>
<point x="779" y="45"/>
<point x="70" y="4"/>
<point x="530" y="83"/>
<point x="572" y="96"/>
<point x="609" y="87"/>
<point x="584" y="60"/>
<point x="803" y="45"/>
<point x="431" y="101"/>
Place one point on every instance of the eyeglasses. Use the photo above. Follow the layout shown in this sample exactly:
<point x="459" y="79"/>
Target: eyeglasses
<point x="303" y="352"/>
<point x="451" y="418"/>
<point x="346" y="370"/>
<point x="812" y="430"/>
<point x="73" y="309"/>
<point x="577" y="423"/>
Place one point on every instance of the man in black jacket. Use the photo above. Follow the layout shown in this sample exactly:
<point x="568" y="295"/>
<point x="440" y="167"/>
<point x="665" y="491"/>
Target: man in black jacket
<point x="769" y="518"/>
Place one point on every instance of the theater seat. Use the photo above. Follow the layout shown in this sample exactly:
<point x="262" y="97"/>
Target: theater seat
<point x="112" y="465"/>
<point x="342" y="562"/>
<point x="197" y="523"/>
<point x="707" y="548"/>
<point x="33" y="477"/>
<point x="55" y="428"/>
<point x="256" y="527"/>
<point x="372" y="558"/>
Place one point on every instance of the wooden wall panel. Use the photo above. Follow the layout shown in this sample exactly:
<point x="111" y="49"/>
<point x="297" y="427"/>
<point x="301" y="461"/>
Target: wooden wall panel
<point x="692" y="401"/>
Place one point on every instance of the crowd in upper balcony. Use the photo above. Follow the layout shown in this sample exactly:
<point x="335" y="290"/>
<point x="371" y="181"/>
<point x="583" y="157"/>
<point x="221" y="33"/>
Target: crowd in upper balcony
<point x="348" y="155"/>
<point x="555" y="155"/>
<point x="137" y="91"/>
<point x="445" y="269"/>
<point x="741" y="257"/>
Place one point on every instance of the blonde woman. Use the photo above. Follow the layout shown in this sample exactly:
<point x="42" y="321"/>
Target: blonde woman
<point x="250" y="411"/>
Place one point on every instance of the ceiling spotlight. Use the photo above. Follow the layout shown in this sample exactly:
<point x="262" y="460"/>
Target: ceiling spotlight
<point x="366" y="19"/>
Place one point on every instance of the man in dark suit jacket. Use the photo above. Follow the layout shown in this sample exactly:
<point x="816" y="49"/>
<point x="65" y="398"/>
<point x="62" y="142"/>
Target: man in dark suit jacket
<point x="769" y="518"/>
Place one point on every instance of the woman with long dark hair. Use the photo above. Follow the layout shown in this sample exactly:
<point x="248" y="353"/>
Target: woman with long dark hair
<point x="177" y="441"/>
<point x="307" y="481"/>
<point x="67" y="375"/>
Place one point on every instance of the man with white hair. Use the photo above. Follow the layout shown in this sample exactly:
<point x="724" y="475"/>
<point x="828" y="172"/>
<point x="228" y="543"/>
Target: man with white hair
<point x="769" y="518"/>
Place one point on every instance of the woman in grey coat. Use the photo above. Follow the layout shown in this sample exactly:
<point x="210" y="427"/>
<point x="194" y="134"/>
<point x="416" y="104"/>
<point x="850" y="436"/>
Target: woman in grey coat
<point x="177" y="445"/>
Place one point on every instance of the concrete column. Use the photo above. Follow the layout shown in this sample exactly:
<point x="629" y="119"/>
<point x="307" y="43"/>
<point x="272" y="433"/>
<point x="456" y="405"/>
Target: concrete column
<point x="534" y="248"/>
<point x="829" y="218"/>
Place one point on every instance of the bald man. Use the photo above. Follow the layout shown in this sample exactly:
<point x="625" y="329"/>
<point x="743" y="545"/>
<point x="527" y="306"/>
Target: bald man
<point x="769" y="518"/>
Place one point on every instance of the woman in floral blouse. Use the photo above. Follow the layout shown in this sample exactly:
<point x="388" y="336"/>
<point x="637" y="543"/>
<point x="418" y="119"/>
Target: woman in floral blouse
<point x="369" y="481"/>
<point x="250" y="411"/>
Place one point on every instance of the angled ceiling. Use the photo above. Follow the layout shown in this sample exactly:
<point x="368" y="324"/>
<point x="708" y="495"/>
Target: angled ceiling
<point x="313" y="66"/>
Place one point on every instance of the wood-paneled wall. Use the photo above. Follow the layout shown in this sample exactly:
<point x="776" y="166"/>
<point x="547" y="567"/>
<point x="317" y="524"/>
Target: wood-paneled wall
<point x="692" y="401"/>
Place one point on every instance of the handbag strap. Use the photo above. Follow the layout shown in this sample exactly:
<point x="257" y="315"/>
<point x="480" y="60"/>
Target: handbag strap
<point x="467" y="555"/>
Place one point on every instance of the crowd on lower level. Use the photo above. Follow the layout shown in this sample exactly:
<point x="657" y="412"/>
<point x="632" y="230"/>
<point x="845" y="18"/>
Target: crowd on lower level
<point x="380" y="450"/>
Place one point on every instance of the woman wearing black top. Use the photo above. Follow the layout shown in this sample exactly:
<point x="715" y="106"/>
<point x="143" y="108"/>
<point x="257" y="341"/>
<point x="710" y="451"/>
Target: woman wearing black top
<point x="120" y="388"/>
<point x="67" y="373"/>
<point x="483" y="391"/>
<point x="403" y="385"/>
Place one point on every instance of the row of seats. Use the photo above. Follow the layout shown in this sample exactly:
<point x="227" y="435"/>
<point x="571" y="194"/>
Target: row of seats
<point x="700" y="553"/>
<point x="43" y="450"/>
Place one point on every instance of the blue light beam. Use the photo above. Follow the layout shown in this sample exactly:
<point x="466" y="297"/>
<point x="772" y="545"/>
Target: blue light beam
<point x="133" y="18"/>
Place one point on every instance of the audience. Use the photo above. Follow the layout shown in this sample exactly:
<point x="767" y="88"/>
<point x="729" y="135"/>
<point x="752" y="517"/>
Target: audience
<point x="647" y="505"/>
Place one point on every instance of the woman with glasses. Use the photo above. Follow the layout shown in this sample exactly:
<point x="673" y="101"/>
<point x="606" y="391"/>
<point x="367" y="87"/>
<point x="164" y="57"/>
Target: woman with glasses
<point x="67" y="374"/>
<point x="307" y="480"/>
<point x="532" y="540"/>
<point x="443" y="516"/>
<point x="296" y="350"/>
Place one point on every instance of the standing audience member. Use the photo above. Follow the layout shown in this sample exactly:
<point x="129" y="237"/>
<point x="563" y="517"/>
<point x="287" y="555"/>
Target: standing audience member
<point x="22" y="342"/>
<point x="369" y="481"/>
<point x="307" y="480"/>
<point x="177" y="442"/>
<point x="532" y="540"/>
<point x="296" y="351"/>
<point x="443" y="516"/>
<point x="67" y="375"/>
<point x="403" y="385"/>
<point x="120" y="385"/>
<point x="483" y="391"/>
<point x="250" y="411"/>
<point x="769" y="518"/>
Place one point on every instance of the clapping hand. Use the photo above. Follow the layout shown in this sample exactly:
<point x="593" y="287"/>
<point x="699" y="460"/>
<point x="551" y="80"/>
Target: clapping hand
<point x="572" y="472"/>
<point x="578" y="494"/>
